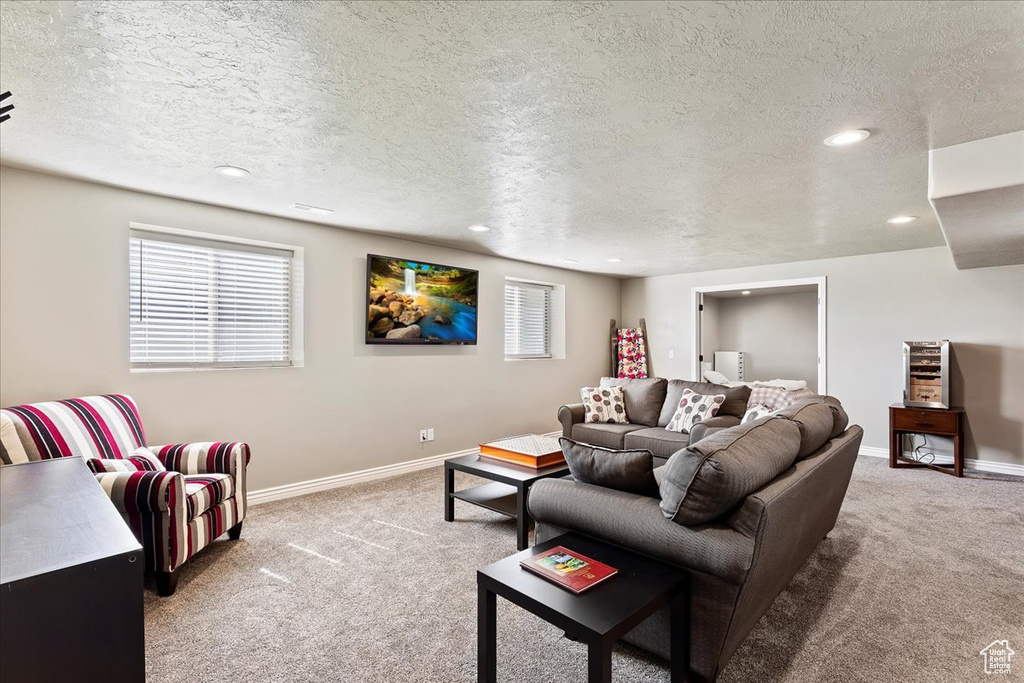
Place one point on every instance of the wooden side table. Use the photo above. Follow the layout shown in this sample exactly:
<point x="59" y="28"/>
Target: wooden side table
<point x="933" y="422"/>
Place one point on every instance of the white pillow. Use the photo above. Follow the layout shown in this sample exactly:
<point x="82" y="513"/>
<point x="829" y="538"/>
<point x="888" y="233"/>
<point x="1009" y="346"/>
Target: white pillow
<point x="787" y="384"/>
<point x="756" y="412"/>
<point x="604" y="404"/>
<point x="715" y="377"/>
<point x="693" y="408"/>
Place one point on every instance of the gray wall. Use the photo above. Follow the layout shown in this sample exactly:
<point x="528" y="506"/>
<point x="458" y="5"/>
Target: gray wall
<point x="64" y="332"/>
<point x="778" y="332"/>
<point x="874" y="303"/>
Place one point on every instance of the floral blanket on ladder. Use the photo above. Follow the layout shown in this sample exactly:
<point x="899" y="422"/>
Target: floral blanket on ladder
<point x="632" y="353"/>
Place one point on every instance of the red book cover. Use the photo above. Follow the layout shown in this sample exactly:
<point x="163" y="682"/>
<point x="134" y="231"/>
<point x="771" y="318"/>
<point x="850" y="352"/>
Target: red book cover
<point x="568" y="569"/>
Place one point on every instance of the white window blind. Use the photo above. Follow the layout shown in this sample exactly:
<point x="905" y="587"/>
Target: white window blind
<point x="197" y="303"/>
<point x="527" y="320"/>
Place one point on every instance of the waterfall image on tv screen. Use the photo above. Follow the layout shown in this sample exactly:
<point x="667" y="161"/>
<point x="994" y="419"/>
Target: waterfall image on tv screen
<point x="419" y="303"/>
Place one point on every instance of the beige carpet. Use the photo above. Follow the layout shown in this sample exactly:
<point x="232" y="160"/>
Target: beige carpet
<point x="368" y="583"/>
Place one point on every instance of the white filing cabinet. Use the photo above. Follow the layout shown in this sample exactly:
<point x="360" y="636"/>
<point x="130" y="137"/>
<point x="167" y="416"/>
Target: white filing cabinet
<point x="730" y="364"/>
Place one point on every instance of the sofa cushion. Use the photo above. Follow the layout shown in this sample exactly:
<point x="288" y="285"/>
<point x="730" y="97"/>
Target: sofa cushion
<point x="604" y="405"/>
<point x="814" y="418"/>
<point x="626" y="470"/>
<point x="735" y="398"/>
<point x="203" y="491"/>
<point x="607" y="435"/>
<point x="840" y="420"/>
<point x="714" y="475"/>
<point x="658" y="440"/>
<point x="644" y="397"/>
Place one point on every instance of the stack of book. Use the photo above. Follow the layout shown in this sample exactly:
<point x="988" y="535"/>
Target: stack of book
<point x="529" y="450"/>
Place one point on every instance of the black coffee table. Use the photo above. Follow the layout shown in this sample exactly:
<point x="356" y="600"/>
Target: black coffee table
<point x="506" y="495"/>
<point x="598" y="617"/>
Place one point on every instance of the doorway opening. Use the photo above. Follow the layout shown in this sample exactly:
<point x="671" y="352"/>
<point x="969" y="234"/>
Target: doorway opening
<point x="761" y="331"/>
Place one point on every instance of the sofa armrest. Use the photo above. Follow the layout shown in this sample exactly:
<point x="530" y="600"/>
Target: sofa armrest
<point x="718" y="422"/>
<point x="569" y="415"/>
<point x="636" y="522"/>
<point x="143" y="492"/>
<point x="220" y="457"/>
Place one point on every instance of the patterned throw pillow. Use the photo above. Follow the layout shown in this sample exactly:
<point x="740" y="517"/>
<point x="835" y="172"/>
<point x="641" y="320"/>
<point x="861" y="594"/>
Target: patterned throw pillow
<point x="756" y="413"/>
<point x="775" y="398"/>
<point x="141" y="460"/>
<point x="693" y="408"/>
<point x="604" y="404"/>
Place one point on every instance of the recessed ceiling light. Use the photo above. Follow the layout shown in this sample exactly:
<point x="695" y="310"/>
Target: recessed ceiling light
<point x="899" y="220"/>
<point x="745" y="292"/>
<point x="614" y="260"/>
<point x="312" y="209"/>
<point x="479" y="228"/>
<point x="232" y="171"/>
<point x="569" y="260"/>
<point x="847" y="137"/>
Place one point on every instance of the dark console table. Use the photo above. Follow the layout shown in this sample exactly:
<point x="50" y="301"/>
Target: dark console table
<point x="70" y="579"/>
<point x="598" y="617"/>
<point x="947" y="422"/>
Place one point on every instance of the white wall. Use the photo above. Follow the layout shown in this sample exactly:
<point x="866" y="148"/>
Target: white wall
<point x="778" y="333"/>
<point x="874" y="303"/>
<point x="64" y="332"/>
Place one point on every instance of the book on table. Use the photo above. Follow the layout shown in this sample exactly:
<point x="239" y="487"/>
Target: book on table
<point x="568" y="569"/>
<point x="531" y="450"/>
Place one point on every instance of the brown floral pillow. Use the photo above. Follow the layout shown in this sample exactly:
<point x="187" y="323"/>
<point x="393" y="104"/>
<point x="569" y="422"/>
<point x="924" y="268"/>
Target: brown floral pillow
<point x="604" y="404"/>
<point x="693" y="408"/>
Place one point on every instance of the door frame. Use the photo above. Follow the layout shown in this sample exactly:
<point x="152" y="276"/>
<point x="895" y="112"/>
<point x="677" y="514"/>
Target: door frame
<point x="697" y="298"/>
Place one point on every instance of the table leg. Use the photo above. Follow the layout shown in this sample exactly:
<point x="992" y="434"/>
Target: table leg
<point x="679" y="636"/>
<point x="599" y="662"/>
<point x="486" y="636"/>
<point x="449" y="488"/>
<point x="522" y="518"/>
<point x="958" y="448"/>
<point x="895" y="445"/>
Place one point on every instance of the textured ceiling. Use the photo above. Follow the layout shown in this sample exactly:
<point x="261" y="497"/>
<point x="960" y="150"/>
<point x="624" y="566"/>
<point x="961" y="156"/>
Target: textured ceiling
<point x="677" y="136"/>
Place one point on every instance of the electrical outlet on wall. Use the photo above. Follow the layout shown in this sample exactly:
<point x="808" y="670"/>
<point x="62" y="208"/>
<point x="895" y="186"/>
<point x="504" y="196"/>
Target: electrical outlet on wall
<point x="671" y="353"/>
<point x="423" y="436"/>
<point x="430" y="434"/>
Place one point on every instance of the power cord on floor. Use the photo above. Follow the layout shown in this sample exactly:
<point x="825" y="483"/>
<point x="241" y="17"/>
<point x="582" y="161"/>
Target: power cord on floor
<point x="916" y="453"/>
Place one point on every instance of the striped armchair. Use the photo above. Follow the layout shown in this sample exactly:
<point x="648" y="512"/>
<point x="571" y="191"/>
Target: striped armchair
<point x="177" y="499"/>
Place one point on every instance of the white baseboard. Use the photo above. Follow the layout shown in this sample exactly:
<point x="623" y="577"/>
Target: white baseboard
<point x="301" y="488"/>
<point x="969" y="463"/>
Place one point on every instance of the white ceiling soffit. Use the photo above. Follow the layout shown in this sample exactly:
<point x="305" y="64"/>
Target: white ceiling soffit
<point x="675" y="136"/>
<point x="977" y="191"/>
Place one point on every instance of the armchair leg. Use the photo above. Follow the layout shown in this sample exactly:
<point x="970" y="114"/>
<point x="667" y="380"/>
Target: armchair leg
<point x="235" y="532"/>
<point x="166" y="583"/>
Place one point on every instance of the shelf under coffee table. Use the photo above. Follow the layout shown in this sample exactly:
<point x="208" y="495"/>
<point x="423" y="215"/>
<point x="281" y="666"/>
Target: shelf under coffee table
<point x="506" y="495"/>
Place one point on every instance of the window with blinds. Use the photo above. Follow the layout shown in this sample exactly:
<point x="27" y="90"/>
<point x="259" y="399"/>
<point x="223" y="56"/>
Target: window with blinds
<point x="208" y="303"/>
<point x="527" y="320"/>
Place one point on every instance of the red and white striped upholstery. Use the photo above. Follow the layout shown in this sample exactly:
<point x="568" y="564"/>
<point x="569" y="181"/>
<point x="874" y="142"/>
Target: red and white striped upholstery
<point x="175" y="513"/>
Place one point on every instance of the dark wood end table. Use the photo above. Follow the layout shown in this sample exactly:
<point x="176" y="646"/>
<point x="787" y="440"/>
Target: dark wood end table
<point x="947" y="422"/>
<point x="598" y="617"/>
<point x="506" y="495"/>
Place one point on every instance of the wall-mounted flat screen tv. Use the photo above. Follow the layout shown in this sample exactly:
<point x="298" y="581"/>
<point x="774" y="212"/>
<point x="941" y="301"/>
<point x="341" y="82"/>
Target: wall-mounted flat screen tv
<point x="410" y="302"/>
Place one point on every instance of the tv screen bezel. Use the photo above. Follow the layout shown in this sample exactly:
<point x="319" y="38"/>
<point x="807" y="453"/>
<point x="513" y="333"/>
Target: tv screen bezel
<point x="420" y="341"/>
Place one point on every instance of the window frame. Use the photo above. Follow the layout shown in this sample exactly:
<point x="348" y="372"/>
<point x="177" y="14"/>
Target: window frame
<point x="232" y="243"/>
<point x="551" y="291"/>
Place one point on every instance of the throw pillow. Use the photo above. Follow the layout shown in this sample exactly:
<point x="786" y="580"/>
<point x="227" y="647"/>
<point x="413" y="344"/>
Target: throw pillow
<point x="711" y="477"/>
<point x="776" y="398"/>
<point x="141" y="460"/>
<point x="631" y="471"/>
<point x="604" y="404"/>
<point x="756" y="413"/>
<point x="693" y="408"/>
<point x="715" y="377"/>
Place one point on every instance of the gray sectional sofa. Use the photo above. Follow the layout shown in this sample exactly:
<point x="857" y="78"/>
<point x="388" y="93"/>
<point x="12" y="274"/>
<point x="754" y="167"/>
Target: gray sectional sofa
<point x="650" y="404"/>
<point x="740" y="559"/>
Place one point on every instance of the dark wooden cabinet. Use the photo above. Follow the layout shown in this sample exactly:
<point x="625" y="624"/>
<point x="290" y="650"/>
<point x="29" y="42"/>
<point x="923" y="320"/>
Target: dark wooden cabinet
<point x="71" y="576"/>
<point x="947" y="422"/>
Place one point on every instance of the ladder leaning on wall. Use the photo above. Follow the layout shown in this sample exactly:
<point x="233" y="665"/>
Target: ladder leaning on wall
<point x="630" y="352"/>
